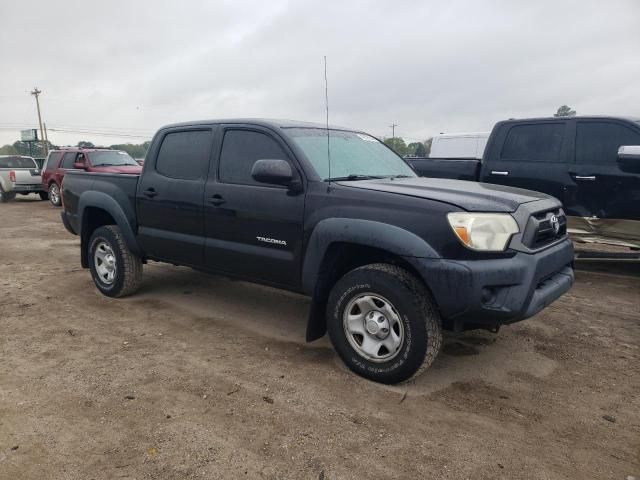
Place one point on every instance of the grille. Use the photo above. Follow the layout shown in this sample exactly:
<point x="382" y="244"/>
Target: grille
<point x="541" y="228"/>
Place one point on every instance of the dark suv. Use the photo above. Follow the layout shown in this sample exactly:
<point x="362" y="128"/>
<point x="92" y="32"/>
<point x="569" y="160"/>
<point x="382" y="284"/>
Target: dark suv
<point x="60" y="162"/>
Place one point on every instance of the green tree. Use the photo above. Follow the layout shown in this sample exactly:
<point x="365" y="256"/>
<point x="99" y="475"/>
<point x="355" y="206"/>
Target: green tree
<point x="427" y="146"/>
<point x="564" y="111"/>
<point x="397" y="145"/>
<point x="417" y="149"/>
<point x="37" y="148"/>
<point x="83" y="144"/>
<point x="8" y="150"/>
<point x="135" y="150"/>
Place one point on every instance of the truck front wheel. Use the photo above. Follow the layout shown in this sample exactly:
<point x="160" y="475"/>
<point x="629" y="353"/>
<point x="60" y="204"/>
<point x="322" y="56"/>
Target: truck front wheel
<point x="116" y="271"/>
<point x="383" y="323"/>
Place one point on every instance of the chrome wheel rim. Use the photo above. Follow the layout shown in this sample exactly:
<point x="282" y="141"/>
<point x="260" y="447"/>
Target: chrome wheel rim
<point x="105" y="262"/>
<point x="54" y="194"/>
<point x="373" y="327"/>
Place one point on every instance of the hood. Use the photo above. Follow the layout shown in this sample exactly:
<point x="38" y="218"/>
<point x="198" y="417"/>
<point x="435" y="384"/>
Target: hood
<point x="470" y="196"/>
<point x="119" y="169"/>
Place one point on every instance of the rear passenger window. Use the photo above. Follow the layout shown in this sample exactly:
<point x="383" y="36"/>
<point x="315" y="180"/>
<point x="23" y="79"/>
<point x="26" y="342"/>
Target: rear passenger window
<point x="541" y="142"/>
<point x="184" y="155"/>
<point x="52" y="161"/>
<point x="240" y="150"/>
<point x="68" y="160"/>
<point x="598" y="142"/>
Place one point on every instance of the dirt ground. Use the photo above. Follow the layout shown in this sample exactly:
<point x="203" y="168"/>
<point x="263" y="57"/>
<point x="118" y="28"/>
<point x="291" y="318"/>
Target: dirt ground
<point x="200" y="376"/>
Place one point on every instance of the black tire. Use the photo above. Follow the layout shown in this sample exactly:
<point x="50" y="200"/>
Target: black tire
<point x="54" y="195"/>
<point x="44" y="195"/>
<point x="128" y="267"/>
<point x="6" y="196"/>
<point x="416" y="311"/>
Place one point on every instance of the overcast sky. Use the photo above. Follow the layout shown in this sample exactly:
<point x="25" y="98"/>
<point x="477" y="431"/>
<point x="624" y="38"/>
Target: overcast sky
<point x="429" y="66"/>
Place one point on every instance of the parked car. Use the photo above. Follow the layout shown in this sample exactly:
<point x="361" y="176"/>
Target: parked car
<point x="59" y="162"/>
<point x="458" y="145"/>
<point x="389" y="259"/>
<point x="578" y="160"/>
<point x="19" y="174"/>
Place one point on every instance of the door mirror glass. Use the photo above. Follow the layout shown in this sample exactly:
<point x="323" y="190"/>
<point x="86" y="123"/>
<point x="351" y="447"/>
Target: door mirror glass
<point x="629" y="158"/>
<point x="277" y="172"/>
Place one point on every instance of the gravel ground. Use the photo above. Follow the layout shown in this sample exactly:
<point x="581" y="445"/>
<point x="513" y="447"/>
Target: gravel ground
<point x="200" y="376"/>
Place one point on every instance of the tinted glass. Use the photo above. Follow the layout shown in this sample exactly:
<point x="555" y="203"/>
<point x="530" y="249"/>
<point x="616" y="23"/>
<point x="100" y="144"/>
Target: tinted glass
<point x="240" y="150"/>
<point x="352" y="153"/>
<point x="598" y="142"/>
<point x="68" y="160"/>
<point x="17" y="162"/>
<point x="52" y="161"/>
<point x="112" y="158"/>
<point x="541" y="142"/>
<point x="185" y="155"/>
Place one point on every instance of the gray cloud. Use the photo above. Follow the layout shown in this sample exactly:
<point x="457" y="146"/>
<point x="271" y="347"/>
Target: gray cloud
<point x="429" y="66"/>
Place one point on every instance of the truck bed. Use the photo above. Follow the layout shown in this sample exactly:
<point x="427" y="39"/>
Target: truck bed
<point x="456" y="168"/>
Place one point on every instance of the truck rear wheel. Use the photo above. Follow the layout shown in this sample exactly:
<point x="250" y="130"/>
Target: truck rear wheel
<point x="54" y="195"/>
<point x="116" y="271"/>
<point x="383" y="323"/>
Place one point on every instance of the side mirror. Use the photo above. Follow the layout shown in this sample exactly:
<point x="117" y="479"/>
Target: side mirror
<point x="80" y="165"/>
<point x="277" y="172"/>
<point x="629" y="158"/>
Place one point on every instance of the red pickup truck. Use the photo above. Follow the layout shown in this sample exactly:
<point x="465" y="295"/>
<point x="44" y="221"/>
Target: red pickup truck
<point x="88" y="159"/>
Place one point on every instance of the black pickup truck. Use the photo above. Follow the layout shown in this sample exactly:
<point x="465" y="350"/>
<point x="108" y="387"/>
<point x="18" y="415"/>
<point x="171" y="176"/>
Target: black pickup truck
<point x="389" y="259"/>
<point x="591" y="164"/>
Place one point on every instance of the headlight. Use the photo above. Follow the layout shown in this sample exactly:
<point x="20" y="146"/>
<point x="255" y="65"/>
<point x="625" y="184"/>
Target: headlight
<point x="483" y="231"/>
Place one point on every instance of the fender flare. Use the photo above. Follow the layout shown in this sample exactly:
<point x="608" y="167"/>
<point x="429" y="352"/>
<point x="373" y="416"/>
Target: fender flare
<point x="384" y="236"/>
<point x="102" y="201"/>
<point x="368" y="233"/>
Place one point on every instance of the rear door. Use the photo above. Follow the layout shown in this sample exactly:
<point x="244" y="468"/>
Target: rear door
<point x="530" y="155"/>
<point x="170" y="196"/>
<point x="254" y="230"/>
<point x="603" y="189"/>
<point x="68" y="159"/>
<point x="50" y="167"/>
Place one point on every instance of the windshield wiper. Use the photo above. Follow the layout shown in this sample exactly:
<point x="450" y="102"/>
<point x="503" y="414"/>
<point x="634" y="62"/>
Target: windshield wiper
<point x="353" y="176"/>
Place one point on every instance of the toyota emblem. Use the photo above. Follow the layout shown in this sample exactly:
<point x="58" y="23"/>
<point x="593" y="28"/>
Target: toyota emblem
<point x="555" y="224"/>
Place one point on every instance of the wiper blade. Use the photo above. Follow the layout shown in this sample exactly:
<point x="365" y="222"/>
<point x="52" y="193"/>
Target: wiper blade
<point x="353" y="176"/>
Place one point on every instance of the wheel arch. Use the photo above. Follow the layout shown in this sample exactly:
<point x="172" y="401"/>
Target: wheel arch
<point x="96" y="209"/>
<point x="339" y="245"/>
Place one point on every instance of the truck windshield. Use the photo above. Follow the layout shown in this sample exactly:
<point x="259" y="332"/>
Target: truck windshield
<point x="112" y="158"/>
<point x="17" y="162"/>
<point x="354" y="156"/>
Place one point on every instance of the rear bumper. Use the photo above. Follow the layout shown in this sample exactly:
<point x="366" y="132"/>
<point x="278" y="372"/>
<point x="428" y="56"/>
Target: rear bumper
<point x="489" y="293"/>
<point x="28" y="187"/>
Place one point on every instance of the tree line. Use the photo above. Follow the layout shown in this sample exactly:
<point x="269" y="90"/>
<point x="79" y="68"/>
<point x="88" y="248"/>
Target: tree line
<point x="37" y="148"/>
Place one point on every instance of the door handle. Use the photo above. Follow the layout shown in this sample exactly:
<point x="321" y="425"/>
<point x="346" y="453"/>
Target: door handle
<point x="216" y="200"/>
<point x="503" y="173"/>
<point x="589" y="178"/>
<point x="150" y="193"/>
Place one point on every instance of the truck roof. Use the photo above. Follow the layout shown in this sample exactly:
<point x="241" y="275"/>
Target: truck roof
<point x="579" y="117"/>
<point x="266" y="122"/>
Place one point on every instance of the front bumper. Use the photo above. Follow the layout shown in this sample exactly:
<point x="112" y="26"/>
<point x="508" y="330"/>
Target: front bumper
<point x="489" y="293"/>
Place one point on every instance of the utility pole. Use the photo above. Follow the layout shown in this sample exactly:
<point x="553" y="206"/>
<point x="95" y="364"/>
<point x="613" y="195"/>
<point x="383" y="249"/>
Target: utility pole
<point x="36" y="93"/>
<point x="393" y="129"/>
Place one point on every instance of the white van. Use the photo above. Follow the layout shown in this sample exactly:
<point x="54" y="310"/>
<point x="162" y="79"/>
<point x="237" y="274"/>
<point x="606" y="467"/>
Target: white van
<point x="459" y="145"/>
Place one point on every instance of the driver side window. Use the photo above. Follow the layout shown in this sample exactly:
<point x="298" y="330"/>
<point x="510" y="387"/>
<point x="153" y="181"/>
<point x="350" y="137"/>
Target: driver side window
<point x="240" y="150"/>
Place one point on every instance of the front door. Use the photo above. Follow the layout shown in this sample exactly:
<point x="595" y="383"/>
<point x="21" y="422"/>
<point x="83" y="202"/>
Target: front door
<point x="170" y="197"/>
<point x="253" y="230"/>
<point x="533" y="156"/>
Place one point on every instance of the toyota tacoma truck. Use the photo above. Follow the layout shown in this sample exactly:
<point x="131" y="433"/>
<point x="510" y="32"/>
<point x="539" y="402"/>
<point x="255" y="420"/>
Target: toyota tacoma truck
<point x="591" y="164"/>
<point x="389" y="259"/>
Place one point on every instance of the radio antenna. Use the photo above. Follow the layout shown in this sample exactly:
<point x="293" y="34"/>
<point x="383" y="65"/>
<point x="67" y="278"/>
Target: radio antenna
<point x="326" y="103"/>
